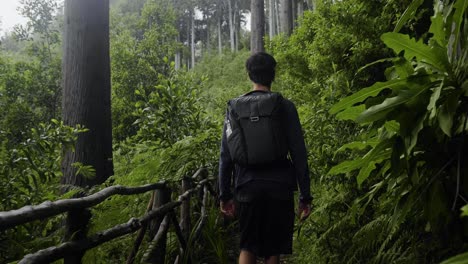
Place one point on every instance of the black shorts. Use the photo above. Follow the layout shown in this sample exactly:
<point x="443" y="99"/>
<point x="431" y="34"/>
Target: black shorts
<point x="266" y="226"/>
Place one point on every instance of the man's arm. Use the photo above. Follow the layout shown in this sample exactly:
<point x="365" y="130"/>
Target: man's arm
<point x="298" y="152"/>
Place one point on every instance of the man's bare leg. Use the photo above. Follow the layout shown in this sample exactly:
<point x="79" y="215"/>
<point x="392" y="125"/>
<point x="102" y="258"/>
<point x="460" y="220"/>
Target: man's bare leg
<point x="272" y="260"/>
<point x="246" y="257"/>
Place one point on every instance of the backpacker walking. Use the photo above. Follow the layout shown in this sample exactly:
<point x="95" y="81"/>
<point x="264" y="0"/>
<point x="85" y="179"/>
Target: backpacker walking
<point x="263" y="152"/>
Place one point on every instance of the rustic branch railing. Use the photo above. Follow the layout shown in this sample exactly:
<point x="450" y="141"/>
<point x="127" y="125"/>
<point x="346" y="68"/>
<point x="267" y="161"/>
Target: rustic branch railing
<point x="159" y="215"/>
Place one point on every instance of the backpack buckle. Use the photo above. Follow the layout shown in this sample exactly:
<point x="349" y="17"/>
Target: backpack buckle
<point x="254" y="119"/>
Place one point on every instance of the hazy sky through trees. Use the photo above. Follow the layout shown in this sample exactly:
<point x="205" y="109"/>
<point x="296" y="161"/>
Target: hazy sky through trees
<point x="9" y="15"/>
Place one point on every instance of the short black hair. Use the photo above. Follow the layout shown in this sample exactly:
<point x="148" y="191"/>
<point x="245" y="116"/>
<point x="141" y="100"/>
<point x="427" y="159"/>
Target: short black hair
<point x="261" y="68"/>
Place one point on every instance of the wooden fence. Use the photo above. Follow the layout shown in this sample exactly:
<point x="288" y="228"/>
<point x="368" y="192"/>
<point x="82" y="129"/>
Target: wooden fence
<point x="155" y="222"/>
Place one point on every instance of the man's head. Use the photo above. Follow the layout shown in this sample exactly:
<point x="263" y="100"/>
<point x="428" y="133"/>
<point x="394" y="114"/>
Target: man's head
<point x="261" y="68"/>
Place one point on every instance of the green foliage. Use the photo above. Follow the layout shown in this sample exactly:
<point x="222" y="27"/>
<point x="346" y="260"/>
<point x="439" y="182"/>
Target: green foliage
<point x="30" y="80"/>
<point x="419" y="119"/>
<point x="458" y="259"/>
<point x="29" y="93"/>
<point x="175" y="136"/>
<point x="225" y="78"/>
<point x="28" y="167"/>
<point x="30" y="174"/>
<point x="214" y="241"/>
<point x="405" y="148"/>
<point x="171" y="111"/>
<point x="321" y="62"/>
<point x="141" y="45"/>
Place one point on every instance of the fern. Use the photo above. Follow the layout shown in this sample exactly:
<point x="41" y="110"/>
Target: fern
<point x="369" y="237"/>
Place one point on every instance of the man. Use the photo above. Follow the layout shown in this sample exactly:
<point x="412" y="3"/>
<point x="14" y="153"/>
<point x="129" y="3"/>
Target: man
<point x="264" y="191"/>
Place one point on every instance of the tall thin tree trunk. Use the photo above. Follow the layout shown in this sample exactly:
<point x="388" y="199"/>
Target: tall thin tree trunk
<point x="300" y="8"/>
<point x="257" y="26"/>
<point x="220" y="43"/>
<point x="277" y="15"/>
<point x="231" y="26"/>
<point x="208" y="37"/>
<point x="293" y="12"/>
<point x="235" y="19"/>
<point x="238" y="28"/>
<point x="311" y="5"/>
<point x="271" y="18"/>
<point x="192" y="39"/>
<point x="286" y="17"/>
<point x="177" y="59"/>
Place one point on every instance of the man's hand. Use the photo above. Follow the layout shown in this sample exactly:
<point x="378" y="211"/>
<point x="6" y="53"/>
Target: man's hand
<point x="228" y="208"/>
<point x="304" y="211"/>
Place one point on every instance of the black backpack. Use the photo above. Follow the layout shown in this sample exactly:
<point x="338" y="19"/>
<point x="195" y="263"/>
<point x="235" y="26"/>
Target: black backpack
<point x="255" y="129"/>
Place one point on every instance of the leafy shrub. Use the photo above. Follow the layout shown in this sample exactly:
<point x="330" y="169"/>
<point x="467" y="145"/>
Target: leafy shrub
<point x="418" y="127"/>
<point x="29" y="174"/>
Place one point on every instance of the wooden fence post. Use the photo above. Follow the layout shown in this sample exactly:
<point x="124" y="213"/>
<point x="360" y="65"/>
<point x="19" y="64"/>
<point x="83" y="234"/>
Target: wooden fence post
<point x="162" y="197"/>
<point x="156" y="254"/>
<point x="185" y="209"/>
<point x="76" y="225"/>
<point x="141" y="233"/>
<point x="202" y="176"/>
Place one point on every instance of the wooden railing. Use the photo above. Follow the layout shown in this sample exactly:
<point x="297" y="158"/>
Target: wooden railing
<point x="155" y="222"/>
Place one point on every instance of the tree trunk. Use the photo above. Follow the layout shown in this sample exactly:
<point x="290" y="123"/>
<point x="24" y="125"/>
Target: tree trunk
<point x="286" y="17"/>
<point x="277" y="16"/>
<point x="294" y="12"/>
<point x="236" y="18"/>
<point x="207" y="36"/>
<point x="192" y="40"/>
<point x="158" y="254"/>
<point x="87" y="89"/>
<point x="220" y="43"/>
<point x="271" y="18"/>
<point x="177" y="61"/>
<point x="185" y="210"/>
<point x="86" y="101"/>
<point x="300" y="8"/>
<point x="311" y="5"/>
<point x="231" y="26"/>
<point x="257" y="26"/>
<point x="177" y="57"/>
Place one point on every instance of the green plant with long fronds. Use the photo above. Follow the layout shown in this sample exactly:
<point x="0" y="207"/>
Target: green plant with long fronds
<point x="418" y="121"/>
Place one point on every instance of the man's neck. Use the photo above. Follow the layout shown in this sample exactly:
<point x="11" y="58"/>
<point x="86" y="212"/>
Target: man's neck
<point x="260" y="87"/>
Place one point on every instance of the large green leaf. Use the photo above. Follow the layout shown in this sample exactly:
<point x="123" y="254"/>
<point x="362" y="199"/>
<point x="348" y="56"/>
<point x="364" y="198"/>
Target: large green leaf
<point x="412" y="137"/>
<point x="458" y="259"/>
<point x="464" y="210"/>
<point x="437" y="28"/>
<point x="359" y="145"/>
<point x="403" y="68"/>
<point x="379" y="153"/>
<point x="347" y="166"/>
<point x="409" y="13"/>
<point x="460" y="8"/>
<point x="392" y="126"/>
<point x="366" y="164"/>
<point x="363" y="94"/>
<point x="374" y="63"/>
<point x="446" y="114"/>
<point x="434" y="97"/>
<point x="375" y="112"/>
<point x="351" y="113"/>
<point x="364" y="173"/>
<point x="435" y="56"/>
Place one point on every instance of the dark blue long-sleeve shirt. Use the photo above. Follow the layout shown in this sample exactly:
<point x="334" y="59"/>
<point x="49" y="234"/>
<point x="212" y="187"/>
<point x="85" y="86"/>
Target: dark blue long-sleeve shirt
<point x="288" y="177"/>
